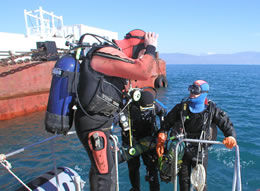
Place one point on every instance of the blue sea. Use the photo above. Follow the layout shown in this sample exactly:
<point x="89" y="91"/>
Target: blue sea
<point x="235" y="89"/>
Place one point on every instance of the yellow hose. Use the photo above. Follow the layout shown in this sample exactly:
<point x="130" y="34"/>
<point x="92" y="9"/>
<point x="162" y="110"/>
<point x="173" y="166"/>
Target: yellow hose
<point x="130" y="130"/>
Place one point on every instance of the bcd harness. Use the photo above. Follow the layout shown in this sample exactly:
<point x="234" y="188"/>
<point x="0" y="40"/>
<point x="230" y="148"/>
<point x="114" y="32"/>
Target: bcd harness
<point x="74" y="82"/>
<point x="208" y="131"/>
<point x="144" y="118"/>
<point x="97" y="93"/>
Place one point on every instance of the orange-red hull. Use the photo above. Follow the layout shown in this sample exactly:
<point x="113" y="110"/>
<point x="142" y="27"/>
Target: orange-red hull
<point x="24" y="88"/>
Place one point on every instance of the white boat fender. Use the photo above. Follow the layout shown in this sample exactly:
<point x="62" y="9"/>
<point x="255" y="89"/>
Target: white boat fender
<point x="69" y="180"/>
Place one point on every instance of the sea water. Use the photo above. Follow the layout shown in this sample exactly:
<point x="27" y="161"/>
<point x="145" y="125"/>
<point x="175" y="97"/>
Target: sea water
<point x="235" y="89"/>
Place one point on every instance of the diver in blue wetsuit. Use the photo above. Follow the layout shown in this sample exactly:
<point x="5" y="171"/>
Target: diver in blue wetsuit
<point x="197" y="118"/>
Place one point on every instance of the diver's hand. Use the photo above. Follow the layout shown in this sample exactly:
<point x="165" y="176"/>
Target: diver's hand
<point x="151" y="39"/>
<point x="160" y="144"/>
<point x="160" y="149"/>
<point x="230" y="142"/>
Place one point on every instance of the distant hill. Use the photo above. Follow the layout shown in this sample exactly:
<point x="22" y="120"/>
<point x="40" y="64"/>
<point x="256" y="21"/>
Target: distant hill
<point x="245" y="58"/>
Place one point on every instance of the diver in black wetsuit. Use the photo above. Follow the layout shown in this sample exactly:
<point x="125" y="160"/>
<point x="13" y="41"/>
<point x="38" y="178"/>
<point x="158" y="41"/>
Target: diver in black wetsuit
<point x="143" y="124"/>
<point x="197" y="118"/>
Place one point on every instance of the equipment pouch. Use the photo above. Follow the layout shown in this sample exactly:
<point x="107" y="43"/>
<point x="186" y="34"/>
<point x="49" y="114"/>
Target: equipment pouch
<point x="106" y="99"/>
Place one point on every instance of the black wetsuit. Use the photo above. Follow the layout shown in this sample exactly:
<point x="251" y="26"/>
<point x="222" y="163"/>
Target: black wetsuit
<point x="97" y="123"/>
<point x="193" y="127"/>
<point x="143" y="125"/>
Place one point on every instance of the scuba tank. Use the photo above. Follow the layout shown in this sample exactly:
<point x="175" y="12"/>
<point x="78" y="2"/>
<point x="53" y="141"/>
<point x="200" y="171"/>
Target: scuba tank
<point x="59" y="114"/>
<point x="63" y="92"/>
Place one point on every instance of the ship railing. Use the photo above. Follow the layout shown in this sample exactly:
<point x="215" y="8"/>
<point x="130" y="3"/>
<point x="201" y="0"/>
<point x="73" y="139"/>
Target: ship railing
<point x="8" y="53"/>
<point x="237" y="173"/>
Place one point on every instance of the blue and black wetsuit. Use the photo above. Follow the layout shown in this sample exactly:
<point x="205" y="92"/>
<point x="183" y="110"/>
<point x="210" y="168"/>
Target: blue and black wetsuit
<point x="193" y="127"/>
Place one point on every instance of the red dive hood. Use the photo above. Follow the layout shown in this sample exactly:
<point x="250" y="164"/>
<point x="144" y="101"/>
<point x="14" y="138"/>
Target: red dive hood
<point x="132" y="43"/>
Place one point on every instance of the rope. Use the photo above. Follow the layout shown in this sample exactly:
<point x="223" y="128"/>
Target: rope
<point x="34" y="144"/>
<point x="198" y="175"/>
<point x="200" y="148"/>
<point x="7" y="167"/>
<point x="54" y="164"/>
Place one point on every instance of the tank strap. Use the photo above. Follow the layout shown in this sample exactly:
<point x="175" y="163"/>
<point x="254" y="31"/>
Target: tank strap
<point x="71" y="80"/>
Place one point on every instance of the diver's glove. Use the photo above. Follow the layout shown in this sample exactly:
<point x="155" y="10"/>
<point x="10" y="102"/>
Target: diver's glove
<point x="160" y="143"/>
<point x="230" y="142"/>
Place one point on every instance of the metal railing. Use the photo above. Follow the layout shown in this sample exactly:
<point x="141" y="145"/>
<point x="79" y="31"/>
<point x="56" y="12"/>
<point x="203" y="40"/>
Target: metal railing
<point x="7" y="53"/>
<point x="236" y="176"/>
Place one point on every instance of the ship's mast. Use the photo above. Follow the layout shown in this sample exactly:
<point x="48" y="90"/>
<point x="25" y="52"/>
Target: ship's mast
<point x="42" y="23"/>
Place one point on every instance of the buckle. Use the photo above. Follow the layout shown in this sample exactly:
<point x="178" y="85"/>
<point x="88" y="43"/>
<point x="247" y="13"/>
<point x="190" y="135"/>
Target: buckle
<point x="57" y="72"/>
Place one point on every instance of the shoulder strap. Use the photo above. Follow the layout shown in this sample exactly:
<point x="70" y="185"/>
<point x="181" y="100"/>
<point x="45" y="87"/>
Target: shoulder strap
<point x="93" y="50"/>
<point x="212" y="105"/>
<point x="184" y="113"/>
<point x="208" y="114"/>
<point x="184" y="109"/>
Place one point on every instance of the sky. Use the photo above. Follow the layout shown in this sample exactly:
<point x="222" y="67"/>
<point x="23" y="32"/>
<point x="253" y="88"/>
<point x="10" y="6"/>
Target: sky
<point x="195" y="27"/>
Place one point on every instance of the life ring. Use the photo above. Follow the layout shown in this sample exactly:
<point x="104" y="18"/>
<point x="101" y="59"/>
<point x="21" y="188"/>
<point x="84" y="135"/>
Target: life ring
<point x="161" y="81"/>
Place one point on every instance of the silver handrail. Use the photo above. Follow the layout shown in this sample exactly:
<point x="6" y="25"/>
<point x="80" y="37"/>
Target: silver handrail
<point x="115" y="140"/>
<point x="237" y="174"/>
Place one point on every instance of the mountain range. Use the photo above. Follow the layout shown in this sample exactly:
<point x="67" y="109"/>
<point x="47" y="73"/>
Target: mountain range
<point x="241" y="58"/>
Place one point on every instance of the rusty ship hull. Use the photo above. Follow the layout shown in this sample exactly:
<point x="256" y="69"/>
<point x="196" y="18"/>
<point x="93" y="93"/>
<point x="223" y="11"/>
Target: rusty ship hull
<point x="24" y="88"/>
